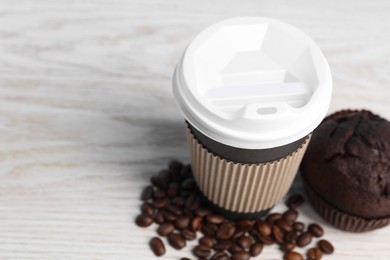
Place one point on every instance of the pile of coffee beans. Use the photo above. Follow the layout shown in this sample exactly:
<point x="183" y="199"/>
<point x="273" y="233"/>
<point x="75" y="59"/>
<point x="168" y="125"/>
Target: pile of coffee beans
<point x="174" y="203"/>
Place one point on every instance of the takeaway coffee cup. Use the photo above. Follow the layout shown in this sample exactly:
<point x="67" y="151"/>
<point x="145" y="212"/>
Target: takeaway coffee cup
<point x="251" y="90"/>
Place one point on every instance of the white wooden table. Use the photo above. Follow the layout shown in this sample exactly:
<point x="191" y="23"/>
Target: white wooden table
<point x="87" y="114"/>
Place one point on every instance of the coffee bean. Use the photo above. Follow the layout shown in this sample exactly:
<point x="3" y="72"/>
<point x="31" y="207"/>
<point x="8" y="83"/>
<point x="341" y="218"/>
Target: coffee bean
<point x="292" y="256"/>
<point x="295" y="201"/>
<point x="325" y="246"/>
<point x="173" y="189"/>
<point x="256" y="249"/>
<point x="188" y="234"/>
<point x="175" y="209"/>
<point x="286" y="247"/>
<point x="223" y="245"/>
<point x="240" y="256"/>
<point x="215" y="219"/>
<point x="278" y="234"/>
<point x="169" y="216"/>
<point x="298" y="226"/>
<point x="245" y="224"/>
<point x="175" y="167"/>
<point x="159" y="217"/>
<point x="143" y="220"/>
<point x="176" y="241"/>
<point x="186" y="172"/>
<point x="291" y="237"/>
<point x="283" y="224"/>
<point x="234" y="248"/>
<point x="157" y="246"/>
<point x="304" y="239"/>
<point x="207" y="231"/>
<point x="201" y="251"/>
<point x="160" y="203"/>
<point x="239" y="233"/>
<point x="226" y="230"/>
<point x="196" y="223"/>
<point x="182" y="222"/>
<point x="207" y="241"/>
<point x="220" y="256"/>
<point x="193" y="202"/>
<point x="185" y="258"/>
<point x="316" y="230"/>
<point x="263" y="228"/>
<point x="272" y="217"/>
<point x="147" y="209"/>
<point x="159" y="194"/>
<point x="203" y="212"/>
<point x="165" y="229"/>
<point x="265" y="239"/>
<point x="188" y="184"/>
<point x="245" y="242"/>
<point x="290" y="215"/>
<point x="159" y="182"/>
<point x="147" y="193"/>
<point x="314" y="254"/>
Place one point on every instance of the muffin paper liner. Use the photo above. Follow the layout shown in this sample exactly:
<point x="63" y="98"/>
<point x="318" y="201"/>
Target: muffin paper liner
<point x="242" y="188"/>
<point x="341" y="219"/>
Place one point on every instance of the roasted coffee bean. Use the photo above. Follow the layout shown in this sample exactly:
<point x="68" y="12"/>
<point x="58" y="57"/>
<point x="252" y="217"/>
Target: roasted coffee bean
<point x="159" y="194"/>
<point x="201" y="251"/>
<point x="316" y="230"/>
<point x="283" y="224"/>
<point x="157" y="246"/>
<point x="193" y="202"/>
<point x="182" y="222"/>
<point x="304" y="239"/>
<point x="256" y="249"/>
<point x="295" y="201"/>
<point x="291" y="237"/>
<point x="314" y="254"/>
<point x="165" y="229"/>
<point x="240" y="256"/>
<point x="272" y="217"/>
<point x="287" y="247"/>
<point x="253" y="232"/>
<point x="292" y="256"/>
<point x="175" y="209"/>
<point x="223" y="245"/>
<point x="245" y="224"/>
<point x="220" y="256"/>
<point x="207" y="231"/>
<point x="176" y="241"/>
<point x="147" y="209"/>
<point x="185" y="258"/>
<point x="207" y="241"/>
<point x="203" y="212"/>
<point x="235" y="248"/>
<point x="159" y="217"/>
<point x="325" y="246"/>
<point x="245" y="242"/>
<point x="215" y="219"/>
<point x="159" y="182"/>
<point x="263" y="228"/>
<point x="188" y="234"/>
<point x="179" y="201"/>
<point x="147" y="193"/>
<point x="175" y="167"/>
<point x="278" y="234"/>
<point x="196" y="223"/>
<point x="266" y="240"/>
<point x="225" y="230"/>
<point x="143" y="220"/>
<point x="290" y="215"/>
<point x="173" y="189"/>
<point x="160" y="203"/>
<point x="188" y="184"/>
<point x="186" y="172"/>
<point x="169" y="216"/>
<point x="239" y="233"/>
<point x="298" y="226"/>
<point x="165" y="175"/>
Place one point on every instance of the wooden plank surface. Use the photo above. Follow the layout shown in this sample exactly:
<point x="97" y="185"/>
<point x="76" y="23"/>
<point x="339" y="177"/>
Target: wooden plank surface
<point x="87" y="114"/>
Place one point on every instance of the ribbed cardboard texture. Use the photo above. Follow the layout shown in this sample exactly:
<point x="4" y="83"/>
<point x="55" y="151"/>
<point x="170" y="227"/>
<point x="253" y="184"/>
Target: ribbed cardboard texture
<point x="242" y="188"/>
<point x="340" y="219"/>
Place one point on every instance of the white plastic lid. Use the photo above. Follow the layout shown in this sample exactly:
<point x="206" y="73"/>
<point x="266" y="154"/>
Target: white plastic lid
<point x="253" y="83"/>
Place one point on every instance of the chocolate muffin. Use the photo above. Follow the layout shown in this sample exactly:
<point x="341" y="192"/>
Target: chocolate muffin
<point x="346" y="170"/>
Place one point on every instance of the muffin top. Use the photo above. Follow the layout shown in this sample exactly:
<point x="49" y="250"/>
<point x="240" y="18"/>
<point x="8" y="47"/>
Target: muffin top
<point x="347" y="163"/>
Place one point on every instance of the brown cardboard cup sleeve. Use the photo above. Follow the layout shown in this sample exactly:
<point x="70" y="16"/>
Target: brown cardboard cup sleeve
<point x="239" y="187"/>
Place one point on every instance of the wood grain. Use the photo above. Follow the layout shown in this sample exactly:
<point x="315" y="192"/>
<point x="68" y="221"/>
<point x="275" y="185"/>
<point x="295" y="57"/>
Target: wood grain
<point x="87" y="114"/>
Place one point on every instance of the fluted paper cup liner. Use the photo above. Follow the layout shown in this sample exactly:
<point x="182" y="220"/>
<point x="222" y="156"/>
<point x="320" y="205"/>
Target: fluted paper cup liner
<point x="339" y="218"/>
<point x="239" y="187"/>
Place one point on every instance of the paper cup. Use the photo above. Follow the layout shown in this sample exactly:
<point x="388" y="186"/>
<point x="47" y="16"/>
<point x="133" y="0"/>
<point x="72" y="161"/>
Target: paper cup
<point x="252" y="90"/>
